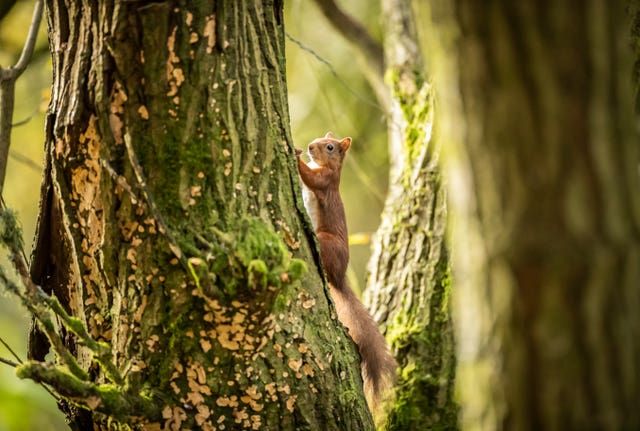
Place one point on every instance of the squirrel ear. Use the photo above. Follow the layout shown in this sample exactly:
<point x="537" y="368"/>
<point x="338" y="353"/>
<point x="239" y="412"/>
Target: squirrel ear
<point x="345" y="144"/>
<point x="329" y="135"/>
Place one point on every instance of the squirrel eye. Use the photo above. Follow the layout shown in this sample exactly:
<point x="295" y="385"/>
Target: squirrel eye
<point x="330" y="147"/>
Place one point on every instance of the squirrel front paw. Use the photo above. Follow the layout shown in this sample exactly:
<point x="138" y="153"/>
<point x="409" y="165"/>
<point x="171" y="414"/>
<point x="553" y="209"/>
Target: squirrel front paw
<point x="298" y="152"/>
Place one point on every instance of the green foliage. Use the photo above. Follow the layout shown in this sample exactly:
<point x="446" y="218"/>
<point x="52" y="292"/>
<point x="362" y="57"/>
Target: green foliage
<point x="257" y="240"/>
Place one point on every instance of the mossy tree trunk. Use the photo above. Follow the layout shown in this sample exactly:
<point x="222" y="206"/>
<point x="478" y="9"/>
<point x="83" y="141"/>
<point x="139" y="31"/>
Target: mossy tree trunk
<point x="543" y="168"/>
<point x="408" y="289"/>
<point x="172" y="231"/>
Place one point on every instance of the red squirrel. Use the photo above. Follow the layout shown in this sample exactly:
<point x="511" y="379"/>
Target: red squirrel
<point x="321" y="182"/>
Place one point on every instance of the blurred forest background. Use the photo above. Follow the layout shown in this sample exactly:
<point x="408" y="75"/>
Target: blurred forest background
<point x="327" y="92"/>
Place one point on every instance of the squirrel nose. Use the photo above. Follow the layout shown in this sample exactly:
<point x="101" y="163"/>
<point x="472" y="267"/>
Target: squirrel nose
<point x="312" y="146"/>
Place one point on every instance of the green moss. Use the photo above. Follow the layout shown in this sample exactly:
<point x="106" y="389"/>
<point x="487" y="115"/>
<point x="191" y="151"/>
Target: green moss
<point x="258" y="240"/>
<point x="258" y="274"/>
<point x="75" y="324"/>
<point x="419" y="405"/>
<point x="105" y="398"/>
<point x="297" y="269"/>
<point x="110" y="396"/>
<point x="280" y="302"/>
<point x="425" y="394"/>
<point x="10" y="230"/>
<point x="250" y="253"/>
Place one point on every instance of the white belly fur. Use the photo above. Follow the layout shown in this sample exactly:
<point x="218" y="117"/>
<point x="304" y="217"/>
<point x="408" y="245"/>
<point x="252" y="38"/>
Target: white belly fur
<point x="310" y="200"/>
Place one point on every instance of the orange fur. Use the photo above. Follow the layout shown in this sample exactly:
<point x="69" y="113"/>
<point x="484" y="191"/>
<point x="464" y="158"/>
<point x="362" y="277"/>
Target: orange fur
<point x="321" y="182"/>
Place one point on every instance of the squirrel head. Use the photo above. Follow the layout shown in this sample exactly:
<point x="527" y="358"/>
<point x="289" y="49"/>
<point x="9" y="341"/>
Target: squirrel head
<point x="328" y="151"/>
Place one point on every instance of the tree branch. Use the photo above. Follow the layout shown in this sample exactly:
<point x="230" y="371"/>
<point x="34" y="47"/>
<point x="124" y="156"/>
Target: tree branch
<point x="370" y="50"/>
<point x="27" y="50"/>
<point x="9" y="362"/>
<point x="8" y="347"/>
<point x="8" y="79"/>
<point x="112" y="400"/>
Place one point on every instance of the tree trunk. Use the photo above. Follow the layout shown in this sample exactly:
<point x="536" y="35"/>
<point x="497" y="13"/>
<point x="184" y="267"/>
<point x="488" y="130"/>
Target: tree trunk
<point x="171" y="227"/>
<point x="408" y="287"/>
<point x="543" y="174"/>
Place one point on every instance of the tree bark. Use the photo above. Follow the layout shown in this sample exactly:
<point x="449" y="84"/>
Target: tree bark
<point x="409" y="283"/>
<point x="538" y="120"/>
<point x="172" y="230"/>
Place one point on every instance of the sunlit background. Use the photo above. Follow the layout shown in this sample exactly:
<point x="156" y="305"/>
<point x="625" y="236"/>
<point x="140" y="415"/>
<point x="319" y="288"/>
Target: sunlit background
<point x="327" y="92"/>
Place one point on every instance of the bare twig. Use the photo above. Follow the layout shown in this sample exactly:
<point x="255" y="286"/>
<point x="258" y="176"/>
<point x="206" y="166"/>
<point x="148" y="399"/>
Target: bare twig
<point x="335" y="73"/>
<point x="26" y="120"/>
<point x="16" y="364"/>
<point x="47" y="325"/>
<point x="8" y="79"/>
<point x="25" y="56"/>
<point x="9" y="362"/>
<point x="354" y="32"/>
<point x="21" y="158"/>
<point x="371" y="51"/>
<point x="13" y="353"/>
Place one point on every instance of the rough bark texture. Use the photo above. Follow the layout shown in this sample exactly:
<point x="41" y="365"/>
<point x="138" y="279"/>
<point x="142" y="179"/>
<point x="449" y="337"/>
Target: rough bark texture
<point x="169" y="226"/>
<point x="408" y="287"/>
<point x="544" y="157"/>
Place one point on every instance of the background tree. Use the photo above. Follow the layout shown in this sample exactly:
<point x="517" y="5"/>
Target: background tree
<point x="538" y="118"/>
<point x="166" y="147"/>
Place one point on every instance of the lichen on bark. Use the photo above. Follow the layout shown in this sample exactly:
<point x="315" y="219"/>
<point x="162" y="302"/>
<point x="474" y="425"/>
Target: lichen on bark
<point x="171" y="226"/>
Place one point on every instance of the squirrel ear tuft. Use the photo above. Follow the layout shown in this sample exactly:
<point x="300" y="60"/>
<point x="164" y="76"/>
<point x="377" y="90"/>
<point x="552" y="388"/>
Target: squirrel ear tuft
<point x="345" y="143"/>
<point x="329" y="135"/>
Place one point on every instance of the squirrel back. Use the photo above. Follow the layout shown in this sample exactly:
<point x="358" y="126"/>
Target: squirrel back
<point x="321" y="182"/>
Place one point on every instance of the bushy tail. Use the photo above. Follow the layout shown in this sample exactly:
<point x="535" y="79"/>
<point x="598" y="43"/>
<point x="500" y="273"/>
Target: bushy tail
<point x="378" y="365"/>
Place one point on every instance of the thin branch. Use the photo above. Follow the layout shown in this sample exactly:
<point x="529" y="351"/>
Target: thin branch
<point x="101" y="351"/>
<point x="13" y="353"/>
<point x="21" y="158"/>
<point x="335" y="73"/>
<point x="371" y="51"/>
<point x="9" y="362"/>
<point x="116" y="401"/>
<point x="8" y="79"/>
<point x="46" y="324"/>
<point x="354" y="32"/>
<point x="120" y="180"/>
<point x="20" y="362"/>
<point x="7" y="89"/>
<point x="26" y="120"/>
<point x="21" y="65"/>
